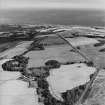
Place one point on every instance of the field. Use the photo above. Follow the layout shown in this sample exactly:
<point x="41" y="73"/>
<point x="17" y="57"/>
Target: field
<point x="55" y="48"/>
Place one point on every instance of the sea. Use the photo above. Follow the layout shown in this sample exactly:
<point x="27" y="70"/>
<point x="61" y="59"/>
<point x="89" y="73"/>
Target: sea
<point x="84" y="17"/>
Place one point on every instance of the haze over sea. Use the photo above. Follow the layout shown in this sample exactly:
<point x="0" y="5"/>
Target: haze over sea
<point x="54" y="16"/>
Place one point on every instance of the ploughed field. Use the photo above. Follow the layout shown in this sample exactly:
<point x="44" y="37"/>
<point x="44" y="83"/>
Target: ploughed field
<point x="60" y="82"/>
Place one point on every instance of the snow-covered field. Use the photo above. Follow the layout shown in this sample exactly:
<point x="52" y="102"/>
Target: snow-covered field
<point x="16" y="92"/>
<point x="19" y="49"/>
<point x="13" y="91"/>
<point x="68" y="77"/>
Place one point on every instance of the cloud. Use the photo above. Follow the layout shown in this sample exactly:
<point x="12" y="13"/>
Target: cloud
<point x="52" y="3"/>
<point x="4" y="20"/>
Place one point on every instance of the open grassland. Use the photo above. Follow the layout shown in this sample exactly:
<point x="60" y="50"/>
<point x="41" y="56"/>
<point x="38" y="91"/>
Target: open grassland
<point x="62" y="52"/>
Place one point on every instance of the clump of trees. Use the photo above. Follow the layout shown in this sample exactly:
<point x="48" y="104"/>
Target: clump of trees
<point x="72" y="96"/>
<point x="39" y="72"/>
<point x="52" y="64"/>
<point x="18" y="63"/>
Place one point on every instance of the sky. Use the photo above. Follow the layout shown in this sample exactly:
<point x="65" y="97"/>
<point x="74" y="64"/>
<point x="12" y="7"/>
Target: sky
<point x="10" y="4"/>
